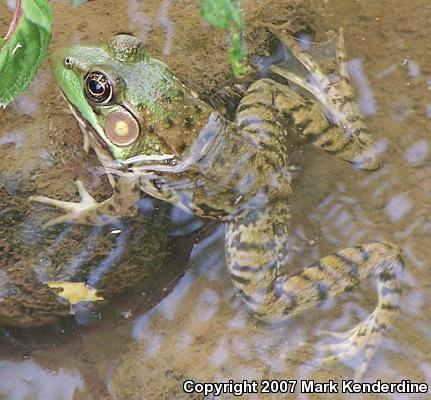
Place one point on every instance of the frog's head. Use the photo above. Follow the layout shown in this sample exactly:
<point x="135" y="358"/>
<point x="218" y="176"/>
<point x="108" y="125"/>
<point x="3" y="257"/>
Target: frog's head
<point x="126" y="102"/>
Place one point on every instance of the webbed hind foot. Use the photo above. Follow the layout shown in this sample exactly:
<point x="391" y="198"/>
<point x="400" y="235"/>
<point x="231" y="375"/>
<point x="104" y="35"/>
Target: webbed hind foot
<point x="362" y="339"/>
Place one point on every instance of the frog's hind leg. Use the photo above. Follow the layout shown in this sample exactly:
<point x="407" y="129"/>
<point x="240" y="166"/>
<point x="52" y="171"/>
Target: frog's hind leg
<point x="366" y="334"/>
<point x="336" y="95"/>
<point x="318" y="85"/>
<point x="277" y="102"/>
<point x="255" y="251"/>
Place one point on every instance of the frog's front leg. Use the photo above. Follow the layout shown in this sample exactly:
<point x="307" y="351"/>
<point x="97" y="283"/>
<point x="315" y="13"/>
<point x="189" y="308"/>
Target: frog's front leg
<point x="255" y="251"/>
<point x="88" y="211"/>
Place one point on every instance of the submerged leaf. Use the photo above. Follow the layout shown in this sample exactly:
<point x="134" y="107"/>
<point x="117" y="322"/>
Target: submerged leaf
<point x="75" y="292"/>
<point x="25" y="49"/>
<point x="78" y="2"/>
<point x="237" y="53"/>
<point x="227" y="14"/>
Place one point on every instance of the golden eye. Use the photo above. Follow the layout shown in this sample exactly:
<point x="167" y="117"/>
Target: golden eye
<point x="98" y="88"/>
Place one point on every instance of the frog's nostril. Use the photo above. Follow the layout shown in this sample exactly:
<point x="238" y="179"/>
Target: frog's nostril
<point x="68" y="62"/>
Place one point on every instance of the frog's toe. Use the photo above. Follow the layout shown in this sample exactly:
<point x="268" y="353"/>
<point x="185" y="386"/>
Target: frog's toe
<point x="339" y="351"/>
<point x="64" y="219"/>
<point x="361" y="339"/>
<point x="333" y="347"/>
<point x="87" y="201"/>
<point x="67" y="206"/>
<point x="338" y="335"/>
<point x="81" y="212"/>
<point x="346" y="354"/>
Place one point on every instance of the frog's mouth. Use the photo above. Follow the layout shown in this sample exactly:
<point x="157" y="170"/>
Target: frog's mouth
<point x="91" y="139"/>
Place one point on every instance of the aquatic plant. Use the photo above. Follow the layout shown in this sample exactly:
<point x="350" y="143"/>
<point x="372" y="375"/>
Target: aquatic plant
<point x="227" y="15"/>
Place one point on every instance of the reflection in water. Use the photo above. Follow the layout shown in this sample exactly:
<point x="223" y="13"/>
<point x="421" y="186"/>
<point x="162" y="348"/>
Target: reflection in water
<point x="44" y="256"/>
<point x="138" y="20"/>
<point x="6" y="287"/>
<point x="24" y="380"/>
<point x="366" y="100"/>
<point x="143" y="24"/>
<point x="209" y="262"/>
<point x="398" y="207"/>
<point x="167" y="25"/>
<point x="414" y="70"/>
<point x="400" y="109"/>
<point x="417" y="153"/>
<point x="167" y="307"/>
<point x="80" y="258"/>
<point x="15" y="137"/>
<point x="106" y="264"/>
<point x="27" y="104"/>
<point x="185" y="223"/>
<point x="206" y="306"/>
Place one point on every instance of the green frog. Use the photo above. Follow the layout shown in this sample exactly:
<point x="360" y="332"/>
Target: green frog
<point x="154" y="136"/>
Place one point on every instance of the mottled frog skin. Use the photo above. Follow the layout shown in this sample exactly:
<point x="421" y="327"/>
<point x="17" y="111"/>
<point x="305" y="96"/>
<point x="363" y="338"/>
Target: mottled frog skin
<point x="154" y="136"/>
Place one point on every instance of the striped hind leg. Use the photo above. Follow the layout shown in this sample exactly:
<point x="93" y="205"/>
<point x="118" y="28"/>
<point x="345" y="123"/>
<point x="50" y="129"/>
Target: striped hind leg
<point x="255" y="251"/>
<point x="336" y="96"/>
<point x="268" y="103"/>
<point x="388" y="267"/>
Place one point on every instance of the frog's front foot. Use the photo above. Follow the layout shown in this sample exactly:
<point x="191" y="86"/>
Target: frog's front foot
<point x="86" y="212"/>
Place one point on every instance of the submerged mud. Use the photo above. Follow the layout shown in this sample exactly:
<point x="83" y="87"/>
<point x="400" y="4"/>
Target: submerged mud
<point x="41" y="153"/>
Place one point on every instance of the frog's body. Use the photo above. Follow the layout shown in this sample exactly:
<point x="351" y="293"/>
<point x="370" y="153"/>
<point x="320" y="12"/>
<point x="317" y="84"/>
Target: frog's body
<point x="155" y="136"/>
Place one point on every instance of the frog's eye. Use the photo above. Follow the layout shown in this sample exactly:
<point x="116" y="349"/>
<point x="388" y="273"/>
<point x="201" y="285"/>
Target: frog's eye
<point x="98" y="88"/>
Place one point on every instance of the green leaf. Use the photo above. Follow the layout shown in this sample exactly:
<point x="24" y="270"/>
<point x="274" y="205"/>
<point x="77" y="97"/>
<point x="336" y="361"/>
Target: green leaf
<point x="221" y="13"/>
<point x="38" y="12"/>
<point x="227" y="14"/>
<point x="23" y="53"/>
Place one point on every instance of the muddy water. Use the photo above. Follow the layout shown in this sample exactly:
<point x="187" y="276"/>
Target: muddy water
<point x="201" y="330"/>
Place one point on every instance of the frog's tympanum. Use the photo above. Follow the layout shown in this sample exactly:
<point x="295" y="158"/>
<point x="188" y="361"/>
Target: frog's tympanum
<point x="153" y="135"/>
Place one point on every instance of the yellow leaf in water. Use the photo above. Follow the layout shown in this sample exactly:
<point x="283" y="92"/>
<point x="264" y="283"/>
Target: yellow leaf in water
<point x="75" y="292"/>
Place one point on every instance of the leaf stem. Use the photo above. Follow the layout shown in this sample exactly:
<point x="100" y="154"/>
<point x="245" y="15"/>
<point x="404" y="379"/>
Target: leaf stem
<point x="15" y="20"/>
